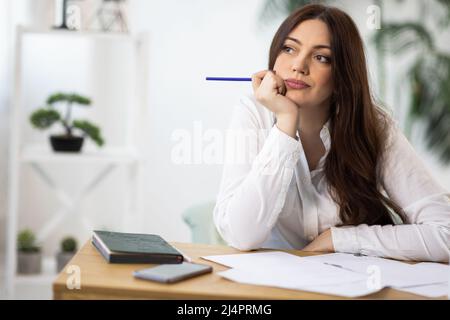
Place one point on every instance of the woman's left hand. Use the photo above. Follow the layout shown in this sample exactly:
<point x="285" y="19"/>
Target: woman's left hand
<point x="323" y="243"/>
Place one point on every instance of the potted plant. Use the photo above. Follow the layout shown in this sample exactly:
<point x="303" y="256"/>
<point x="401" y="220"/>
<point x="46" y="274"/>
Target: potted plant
<point x="29" y="255"/>
<point x="68" y="249"/>
<point x="45" y="117"/>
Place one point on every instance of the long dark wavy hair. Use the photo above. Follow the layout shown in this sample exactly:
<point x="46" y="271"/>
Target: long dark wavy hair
<point x="358" y="126"/>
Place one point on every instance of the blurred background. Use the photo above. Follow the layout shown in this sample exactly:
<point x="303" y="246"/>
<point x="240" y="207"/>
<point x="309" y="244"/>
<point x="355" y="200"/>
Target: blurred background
<point x="129" y="77"/>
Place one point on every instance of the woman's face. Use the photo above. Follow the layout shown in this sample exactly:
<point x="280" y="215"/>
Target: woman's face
<point x="306" y="56"/>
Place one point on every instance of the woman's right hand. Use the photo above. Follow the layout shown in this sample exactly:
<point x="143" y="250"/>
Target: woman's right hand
<point x="269" y="90"/>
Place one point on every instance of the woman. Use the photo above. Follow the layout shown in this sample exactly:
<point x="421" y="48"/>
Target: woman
<point x="330" y="172"/>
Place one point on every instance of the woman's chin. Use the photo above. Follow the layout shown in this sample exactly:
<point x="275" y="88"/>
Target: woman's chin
<point x="299" y="99"/>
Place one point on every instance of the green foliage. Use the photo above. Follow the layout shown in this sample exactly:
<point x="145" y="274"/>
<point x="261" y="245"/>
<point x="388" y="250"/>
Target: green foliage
<point x="430" y="101"/>
<point x="44" y="118"/>
<point x="445" y="19"/>
<point x="69" y="244"/>
<point x="26" y="241"/>
<point x="90" y="130"/>
<point x="401" y="37"/>
<point x="428" y="76"/>
<point x="68" y="97"/>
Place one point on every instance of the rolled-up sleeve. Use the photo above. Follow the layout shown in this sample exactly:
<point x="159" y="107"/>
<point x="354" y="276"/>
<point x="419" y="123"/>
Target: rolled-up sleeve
<point x="425" y="235"/>
<point x="259" y="165"/>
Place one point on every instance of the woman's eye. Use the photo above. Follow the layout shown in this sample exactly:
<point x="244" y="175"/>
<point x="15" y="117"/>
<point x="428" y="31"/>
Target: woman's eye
<point x="323" y="59"/>
<point x="286" y="48"/>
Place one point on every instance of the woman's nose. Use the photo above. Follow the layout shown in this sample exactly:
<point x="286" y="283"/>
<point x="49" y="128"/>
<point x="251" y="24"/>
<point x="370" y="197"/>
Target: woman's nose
<point x="300" y="65"/>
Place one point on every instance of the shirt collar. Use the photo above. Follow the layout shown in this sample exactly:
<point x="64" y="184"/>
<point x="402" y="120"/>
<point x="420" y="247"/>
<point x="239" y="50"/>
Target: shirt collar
<point x="325" y="135"/>
<point x="326" y="140"/>
<point x="327" y="124"/>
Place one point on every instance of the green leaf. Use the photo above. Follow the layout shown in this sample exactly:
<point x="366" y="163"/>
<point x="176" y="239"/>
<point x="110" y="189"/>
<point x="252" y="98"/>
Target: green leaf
<point x="44" y="118"/>
<point x="445" y="19"/>
<point x="90" y="130"/>
<point x="81" y="100"/>
<point x="57" y="97"/>
<point x="399" y="37"/>
<point x="430" y="103"/>
<point x="69" y="98"/>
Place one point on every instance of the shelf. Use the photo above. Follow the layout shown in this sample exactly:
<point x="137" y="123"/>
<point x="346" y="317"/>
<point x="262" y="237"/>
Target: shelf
<point x="78" y="33"/>
<point x="40" y="154"/>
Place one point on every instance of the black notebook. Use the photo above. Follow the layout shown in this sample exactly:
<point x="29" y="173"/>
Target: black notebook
<point x="118" y="247"/>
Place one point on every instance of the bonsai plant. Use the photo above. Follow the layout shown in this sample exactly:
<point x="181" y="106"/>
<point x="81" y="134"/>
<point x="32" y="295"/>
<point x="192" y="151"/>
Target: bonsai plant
<point x="45" y="117"/>
<point x="68" y="249"/>
<point x="29" y="254"/>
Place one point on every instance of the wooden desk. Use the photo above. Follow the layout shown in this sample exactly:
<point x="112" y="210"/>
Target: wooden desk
<point x="100" y="280"/>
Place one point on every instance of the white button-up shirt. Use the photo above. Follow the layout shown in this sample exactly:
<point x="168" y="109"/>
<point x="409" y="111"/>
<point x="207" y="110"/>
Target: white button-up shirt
<point x="269" y="198"/>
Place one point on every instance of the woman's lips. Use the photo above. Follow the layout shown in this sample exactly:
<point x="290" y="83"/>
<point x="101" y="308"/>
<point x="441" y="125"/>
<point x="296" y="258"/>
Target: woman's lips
<point x="295" y="84"/>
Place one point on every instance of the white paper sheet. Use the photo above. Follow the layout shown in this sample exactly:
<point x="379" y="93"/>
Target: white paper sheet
<point x="392" y="273"/>
<point x="351" y="289"/>
<point x="339" y="274"/>
<point x="431" y="290"/>
<point x="280" y="269"/>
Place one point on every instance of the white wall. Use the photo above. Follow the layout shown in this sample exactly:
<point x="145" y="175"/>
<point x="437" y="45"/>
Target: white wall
<point x="188" y="41"/>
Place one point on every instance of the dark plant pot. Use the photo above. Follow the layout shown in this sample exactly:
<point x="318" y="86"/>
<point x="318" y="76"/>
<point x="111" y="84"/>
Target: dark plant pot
<point x="66" y="143"/>
<point x="62" y="258"/>
<point x="29" y="262"/>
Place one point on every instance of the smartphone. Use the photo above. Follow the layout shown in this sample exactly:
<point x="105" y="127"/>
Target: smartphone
<point x="170" y="273"/>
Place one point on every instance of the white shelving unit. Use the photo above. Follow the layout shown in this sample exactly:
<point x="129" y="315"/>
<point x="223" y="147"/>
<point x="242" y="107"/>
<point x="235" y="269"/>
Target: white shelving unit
<point x="37" y="156"/>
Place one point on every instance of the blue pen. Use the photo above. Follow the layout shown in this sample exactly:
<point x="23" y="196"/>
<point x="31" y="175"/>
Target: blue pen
<point x="227" y="79"/>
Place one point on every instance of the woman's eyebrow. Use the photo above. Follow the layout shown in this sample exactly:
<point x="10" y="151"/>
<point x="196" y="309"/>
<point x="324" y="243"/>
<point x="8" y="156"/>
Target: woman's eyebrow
<point x="319" y="46"/>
